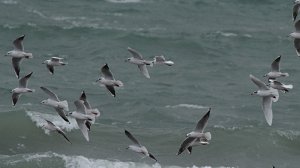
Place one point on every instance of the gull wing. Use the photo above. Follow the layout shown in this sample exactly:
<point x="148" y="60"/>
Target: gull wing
<point x="63" y="134"/>
<point x="297" y="26"/>
<point x="151" y="156"/>
<point x="56" y="59"/>
<point x="62" y="114"/>
<point x="50" y="68"/>
<point x="15" y="98"/>
<point x="202" y="122"/>
<point x="295" y="10"/>
<point x="186" y="143"/>
<point x="52" y="95"/>
<point x="130" y="136"/>
<point x="297" y="46"/>
<point x="144" y="70"/>
<point x="267" y="108"/>
<point x="259" y="83"/>
<point x="16" y="64"/>
<point x="83" y="128"/>
<point x="275" y="65"/>
<point x="85" y="102"/>
<point x="106" y="72"/>
<point x="23" y="81"/>
<point x="80" y="106"/>
<point x="18" y="43"/>
<point x="111" y="89"/>
<point x="135" y="54"/>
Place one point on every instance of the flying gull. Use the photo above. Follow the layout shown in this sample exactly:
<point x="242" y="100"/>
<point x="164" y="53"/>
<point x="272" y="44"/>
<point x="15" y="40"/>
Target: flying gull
<point x="54" y="61"/>
<point x="275" y="70"/>
<point x="50" y="126"/>
<point x="279" y="86"/>
<point x="18" y="54"/>
<point x="161" y="60"/>
<point x="16" y="93"/>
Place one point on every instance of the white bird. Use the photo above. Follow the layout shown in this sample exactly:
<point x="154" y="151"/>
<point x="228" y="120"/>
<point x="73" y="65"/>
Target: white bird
<point x="50" y="126"/>
<point x="81" y="117"/>
<point x="296" y="36"/>
<point x="268" y="94"/>
<point x="54" y="61"/>
<point x="296" y="9"/>
<point x="16" y="93"/>
<point x="137" y="147"/>
<point x="279" y="86"/>
<point x="199" y="130"/>
<point x="89" y="110"/>
<point x="275" y="70"/>
<point x="190" y="142"/>
<point x="59" y="106"/>
<point x="137" y="59"/>
<point x="108" y="80"/>
<point x="18" y="54"/>
<point x="161" y="60"/>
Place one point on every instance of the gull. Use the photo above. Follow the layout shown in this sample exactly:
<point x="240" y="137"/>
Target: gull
<point x="18" y="54"/>
<point x="137" y="147"/>
<point x="53" y="101"/>
<point x="279" y="86"/>
<point x="16" y="93"/>
<point x="161" y="60"/>
<point x="108" y="80"/>
<point x="268" y="94"/>
<point x="189" y="142"/>
<point x="296" y="9"/>
<point x="50" y="126"/>
<point x="296" y="36"/>
<point x="54" y="61"/>
<point x="275" y="70"/>
<point x="81" y="117"/>
<point x="137" y="59"/>
<point x="199" y="130"/>
<point x="89" y="110"/>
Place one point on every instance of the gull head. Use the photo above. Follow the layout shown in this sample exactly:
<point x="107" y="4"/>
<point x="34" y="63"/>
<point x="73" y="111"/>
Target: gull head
<point x="44" y="102"/>
<point x="69" y="114"/>
<point x="128" y="59"/>
<point x="255" y="92"/>
<point x="9" y="53"/>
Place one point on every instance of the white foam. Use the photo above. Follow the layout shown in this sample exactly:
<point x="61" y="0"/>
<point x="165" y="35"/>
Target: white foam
<point x="193" y="106"/>
<point x="84" y="162"/>
<point x="289" y="134"/>
<point x="38" y="118"/>
<point x="124" y="1"/>
<point x="9" y="2"/>
<point x="227" y="34"/>
<point x="233" y="128"/>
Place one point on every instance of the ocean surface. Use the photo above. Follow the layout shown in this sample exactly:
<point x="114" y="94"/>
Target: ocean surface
<point x="215" y="45"/>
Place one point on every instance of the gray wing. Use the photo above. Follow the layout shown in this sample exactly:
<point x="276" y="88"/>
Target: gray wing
<point x="18" y="43"/>
<point x="130" y="136"/>
<point x="56" y="59"/>
<point x="151" y="156"/>
<point x="267" y="108"/>
<point x="106" y="72"/>
<point x="202" y="122"/>
<point x="16" y="64"/>
<point x="80" y="106"/>
<point x="62" y="114"/>
<point x="63" y="134"/>
<point x="185" y="144"/>
<point x="159" y="58"/>
<point x="50" y="123"/>
<point x="297" y="26"/>
<point x="297" y="46"/>
<point x="295" y="10"/>
<point x="52" y="95"/>
<point x="135" y="54"/>
<point x="50" y="68"/>
<point x="15" y="98"/>
<point x="144" y="70"/>
<point x="23" y="81"/>
<point x="111" y="89"/>
<point x="83" y="128"/>
<point x="258" y="82"/>
<point x="85" y="102"/>
<point x="275" y="65"/>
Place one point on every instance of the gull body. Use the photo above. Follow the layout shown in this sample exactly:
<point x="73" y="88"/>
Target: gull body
<point x="107" y="79"/>
<point x="275" y="70"/>
<point x="53" y="101"/>
<point x="280" y="86"/>
<point x="190" y="142"/>
<point x="161" y="60"/>
<point x="18" y="54"/>
<point x="137" y="147"/>
<point x="138" y="60"/>
<point x="16" y="93"/>
<point x="54" y="61"/>
<point x="51" y="127"/>
<point x="268" y="95"/>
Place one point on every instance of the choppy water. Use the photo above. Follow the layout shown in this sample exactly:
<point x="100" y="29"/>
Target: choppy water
<point x="215" y="46"/>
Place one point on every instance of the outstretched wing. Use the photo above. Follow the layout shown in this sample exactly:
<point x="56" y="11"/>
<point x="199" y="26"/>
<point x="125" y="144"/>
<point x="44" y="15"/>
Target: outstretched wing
<point x="130" y="136"/>
<point x="52" y="95"/>
<point x="23" y="81"/>
<point x="18" y="43"/>
<point x="202" y="122"/>
<point x="106" y="72"/>
<point x="135" y="54"/>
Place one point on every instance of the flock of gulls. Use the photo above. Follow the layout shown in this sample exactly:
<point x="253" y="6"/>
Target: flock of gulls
<point x="85" y="115"/>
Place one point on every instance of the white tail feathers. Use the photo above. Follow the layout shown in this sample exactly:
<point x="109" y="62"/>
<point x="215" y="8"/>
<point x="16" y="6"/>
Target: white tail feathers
<point x="169" y="63"/>
<point x="95" y="112"/>
<point x="288" y="86"/>
<point x="28" y="55"/>
<point x="119" y="83"/>
<point x="285" y="74"/>
<point x="65" y="105"/>
<point x="207" y="135"/>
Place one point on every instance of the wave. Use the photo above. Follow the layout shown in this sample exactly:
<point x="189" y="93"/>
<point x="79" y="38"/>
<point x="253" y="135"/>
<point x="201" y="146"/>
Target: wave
<point x="192" y="106"/>
<point x="39" y="119"/>
<point x="59" y="160"/>
<point x="233" y="128"/>
<point x="123" y="1"/>
<point x="289" y="134"/>
<point x="9" y="2"/>
<point x="230" y="34"/>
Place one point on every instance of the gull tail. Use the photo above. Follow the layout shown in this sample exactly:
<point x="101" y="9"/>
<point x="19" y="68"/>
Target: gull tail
<point x="28" y="55"/>
<point x="95" y="112"/>
<point x="285" y="74"/>
<point x="288" y="86"/>
<point x="119" y="83"/>
<point x="207" y="136"/>
<point x="169" y="63"/>
<point x="65" y="105"/>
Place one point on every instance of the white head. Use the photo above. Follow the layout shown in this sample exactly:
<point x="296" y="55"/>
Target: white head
<point x="44" y="102"/>
<point x="9" y="53"/>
